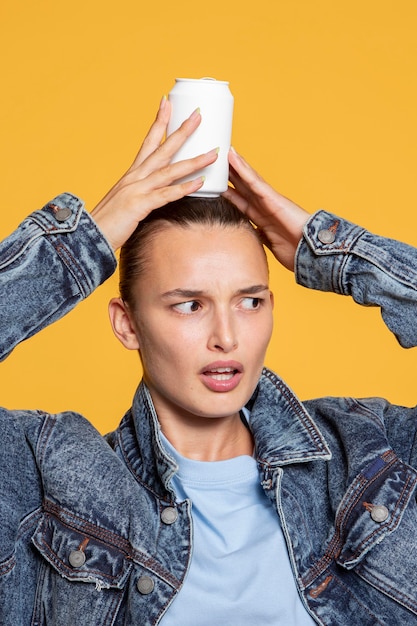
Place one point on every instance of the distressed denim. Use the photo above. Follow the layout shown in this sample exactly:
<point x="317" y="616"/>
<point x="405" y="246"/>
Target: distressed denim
<point x="88" y="535"/>
<point x="47" y="266"/>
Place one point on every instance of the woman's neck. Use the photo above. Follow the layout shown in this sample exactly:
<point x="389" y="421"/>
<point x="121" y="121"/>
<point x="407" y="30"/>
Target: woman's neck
<point x="208" y="439"/>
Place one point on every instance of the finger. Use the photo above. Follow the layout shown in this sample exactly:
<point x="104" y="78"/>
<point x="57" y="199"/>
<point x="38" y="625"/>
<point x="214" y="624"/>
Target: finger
<point x="240" y="185"/>
<point x="170" y="173"/>
<point x="237" y="161"/>
<point x="156" y="132"/>
<point x="165" y="152"/>
<point x="234" y="177"/>
<point x="179" y="190"/>
<point x="162" y="177"/>
<point x="162" y="196"/>
<point x="244" y="172"/>
<point x="235" y="198"/>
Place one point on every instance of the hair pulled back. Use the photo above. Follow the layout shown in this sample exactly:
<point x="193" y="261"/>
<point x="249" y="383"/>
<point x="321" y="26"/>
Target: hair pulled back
<point x="134" y="257"/>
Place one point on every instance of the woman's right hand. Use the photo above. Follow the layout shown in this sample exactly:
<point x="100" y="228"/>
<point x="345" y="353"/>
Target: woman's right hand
<point x="149" y="183"/>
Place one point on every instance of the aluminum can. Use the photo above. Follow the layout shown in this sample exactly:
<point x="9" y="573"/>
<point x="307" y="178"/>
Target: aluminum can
<point x="215" y="101"/>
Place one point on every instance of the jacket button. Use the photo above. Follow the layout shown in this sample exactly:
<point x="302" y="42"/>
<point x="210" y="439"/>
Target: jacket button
<point x="326" y="236"/>
<point x="169" y="515"/>
<point x="379" y="513"/>
<point x="76" y="558"/>
<point x="60" y="213"/>
<point x="145" y="585"/>
<point x="63" y="214"/>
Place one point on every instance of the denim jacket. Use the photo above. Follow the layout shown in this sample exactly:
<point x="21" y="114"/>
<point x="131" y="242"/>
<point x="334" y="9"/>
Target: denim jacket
<point x="91" y="533"/>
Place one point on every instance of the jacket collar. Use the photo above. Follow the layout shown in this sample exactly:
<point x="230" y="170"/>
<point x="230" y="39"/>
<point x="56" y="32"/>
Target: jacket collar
<point x="283" y="430"/>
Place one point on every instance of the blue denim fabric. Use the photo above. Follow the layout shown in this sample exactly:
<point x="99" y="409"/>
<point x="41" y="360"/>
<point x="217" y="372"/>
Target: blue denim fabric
<point x="374" y="270"/>
<point x="47" y="266"/>
<point x="83" y="539"/>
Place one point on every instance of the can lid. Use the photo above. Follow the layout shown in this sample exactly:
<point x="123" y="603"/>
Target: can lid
<point x="198" y="80"/>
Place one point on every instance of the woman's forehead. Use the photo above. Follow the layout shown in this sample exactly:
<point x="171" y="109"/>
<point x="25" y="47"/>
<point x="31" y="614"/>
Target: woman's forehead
<point x="208" y="237"/>
<point x="202" y="248"/>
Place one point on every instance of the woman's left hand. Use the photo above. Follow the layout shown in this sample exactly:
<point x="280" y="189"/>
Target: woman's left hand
<point x="280" y="220"/>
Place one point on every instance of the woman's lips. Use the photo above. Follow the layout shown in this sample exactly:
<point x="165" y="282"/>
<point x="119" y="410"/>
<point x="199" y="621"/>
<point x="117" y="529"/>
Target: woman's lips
<point x="222" y="377"/>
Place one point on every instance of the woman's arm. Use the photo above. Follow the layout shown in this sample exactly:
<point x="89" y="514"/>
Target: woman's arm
<point x="60" y="254"/>
<point x="332" y="254"/>
<point x="336" y="255"/>
<point x="47" y="266"/>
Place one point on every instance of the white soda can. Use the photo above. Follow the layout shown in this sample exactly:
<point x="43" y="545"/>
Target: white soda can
<point x="215" y="102"/>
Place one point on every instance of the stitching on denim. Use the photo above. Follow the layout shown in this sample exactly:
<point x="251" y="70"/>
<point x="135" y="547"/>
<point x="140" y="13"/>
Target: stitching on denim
<point x="338" y="581"/>
<point x="137" y="476"/>
<point x="65" y="254"/>
<point x="114" y="605"/>
<point x="46" y="431"/>
<point x="112" y="610"/>
<point x="393" y="592"/>
<point x="20" y="251"/>
<point x="126" y="427"/>
<point x="8" y="565"/>
<point x="357" y="496"/>
<point x="298" y="409"/>
<point x="336" y="543"/>
<point x="82" y="526"/>
<point x="364" y="409"/>
<point x="31" y="520"/>
<point x="77" y="574"/>
<point x="371" y="252"/>
<point x="38" y="605"/>
<point x="389" y="527"/>
<point x="108" y="537"/>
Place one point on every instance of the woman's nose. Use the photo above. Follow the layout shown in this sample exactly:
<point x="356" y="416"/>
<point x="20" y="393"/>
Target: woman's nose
<point x="223" y="334"/>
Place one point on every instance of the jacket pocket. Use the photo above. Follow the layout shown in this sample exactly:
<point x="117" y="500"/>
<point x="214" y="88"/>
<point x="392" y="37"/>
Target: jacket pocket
<point x="373" y="507"/>
<point x="391" y="566"/>
<point x="82" y="575"/>
<point x="377" y="521"/>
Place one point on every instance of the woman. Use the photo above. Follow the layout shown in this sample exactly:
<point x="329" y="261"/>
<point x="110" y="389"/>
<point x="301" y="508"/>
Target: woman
<point x="220" y="499"/>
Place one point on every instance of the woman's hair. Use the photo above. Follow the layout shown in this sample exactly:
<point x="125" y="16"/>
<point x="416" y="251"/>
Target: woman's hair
<point x="134" y="257"/>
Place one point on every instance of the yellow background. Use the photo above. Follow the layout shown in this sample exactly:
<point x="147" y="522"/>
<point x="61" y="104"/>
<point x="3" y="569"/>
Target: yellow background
<point x="325" y="108"/>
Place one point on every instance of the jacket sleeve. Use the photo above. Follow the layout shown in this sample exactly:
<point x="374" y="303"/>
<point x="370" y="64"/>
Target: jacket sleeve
<point x="54" y="259"/>
<point x="336" y="255"/>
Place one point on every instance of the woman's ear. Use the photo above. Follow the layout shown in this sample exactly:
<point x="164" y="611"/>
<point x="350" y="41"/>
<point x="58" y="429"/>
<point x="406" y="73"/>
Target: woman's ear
<point x="122" y="325"/>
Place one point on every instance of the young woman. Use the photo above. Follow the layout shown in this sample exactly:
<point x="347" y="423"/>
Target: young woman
<point x="221" y="498"/>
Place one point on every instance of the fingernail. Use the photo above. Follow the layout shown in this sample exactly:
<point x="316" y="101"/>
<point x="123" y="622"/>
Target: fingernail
<point x="233" y="150"/>
<point x="163" y="102"/>
<point x="195" y="113"/>
<point x="217" y="149"/>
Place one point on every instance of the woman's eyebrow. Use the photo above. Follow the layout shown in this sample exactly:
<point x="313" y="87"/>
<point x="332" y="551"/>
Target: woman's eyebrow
<point x="183" y="293"/>
<point x="197" y="293"/>
<point x="252" y="290"/>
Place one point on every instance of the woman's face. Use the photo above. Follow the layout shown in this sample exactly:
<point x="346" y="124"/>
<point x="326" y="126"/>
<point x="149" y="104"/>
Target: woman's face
<point x="202" y="320"/>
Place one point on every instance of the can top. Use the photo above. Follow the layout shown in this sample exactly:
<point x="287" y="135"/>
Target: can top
<point x="199" y="80"/>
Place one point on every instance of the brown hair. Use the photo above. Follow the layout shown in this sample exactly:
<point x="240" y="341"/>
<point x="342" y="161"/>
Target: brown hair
<point x="184" y="212"/>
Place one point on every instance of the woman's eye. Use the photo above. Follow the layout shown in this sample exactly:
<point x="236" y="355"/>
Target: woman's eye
<point x="251" y="303"/>
<point x="187" y="307"/>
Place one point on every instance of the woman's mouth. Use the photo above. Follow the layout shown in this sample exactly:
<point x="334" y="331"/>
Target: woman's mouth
<point x="221" y="373"/>
<point x="222" y="378"/>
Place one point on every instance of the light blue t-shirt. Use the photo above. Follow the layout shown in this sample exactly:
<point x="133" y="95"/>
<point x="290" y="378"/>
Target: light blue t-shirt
<point x="240" y="574"/>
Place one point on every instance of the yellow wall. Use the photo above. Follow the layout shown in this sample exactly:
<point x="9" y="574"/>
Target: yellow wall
<point x="325" y="108"/>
